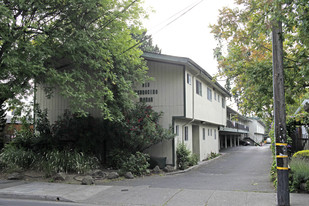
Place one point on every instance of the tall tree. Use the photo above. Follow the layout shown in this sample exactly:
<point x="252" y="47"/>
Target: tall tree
<point x="246" y="35"/>
<point x="83" y="48"/>
<point x="145" y="43"/>
<point x="2" y="121"/>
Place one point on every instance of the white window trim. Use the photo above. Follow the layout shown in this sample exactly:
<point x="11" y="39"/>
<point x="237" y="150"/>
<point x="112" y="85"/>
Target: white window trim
<point x="189" y="79"/>
<point x="209" y="94"/>
<point x="186" y="133"/>
<point x="177" y="130"/>
<point x="204" y="133"/>
<point x="199" y="87"/>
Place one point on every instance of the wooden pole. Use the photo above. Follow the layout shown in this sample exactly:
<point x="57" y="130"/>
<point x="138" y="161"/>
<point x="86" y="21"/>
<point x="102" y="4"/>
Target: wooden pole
<point x="283" y="195"/>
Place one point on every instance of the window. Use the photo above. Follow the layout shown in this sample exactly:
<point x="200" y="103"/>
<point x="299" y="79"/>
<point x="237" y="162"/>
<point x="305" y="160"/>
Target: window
<point x="215" y="133"/>
<point x="177" y="130"/>
<point x="219" y="98"/>
<point x="204" y="134"/>
<point x="209" y="132"/>
<point x="209" y="94"/>
<point x="215" y="95"/>
<point x="198" y="87"/>
<point x="188" y="78"/>
<point x="223" y="102"/>
<point x="186" y="134"/>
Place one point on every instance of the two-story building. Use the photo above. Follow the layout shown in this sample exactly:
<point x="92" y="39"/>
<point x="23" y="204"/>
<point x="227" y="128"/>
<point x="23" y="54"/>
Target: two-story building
<point x="235" y="130"/>
<point x="192" y="103"/>
<point x="257" y="129"/>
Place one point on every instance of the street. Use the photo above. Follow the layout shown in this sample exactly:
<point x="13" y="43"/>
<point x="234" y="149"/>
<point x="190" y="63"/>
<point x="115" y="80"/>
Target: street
<point x="239" y="169"/>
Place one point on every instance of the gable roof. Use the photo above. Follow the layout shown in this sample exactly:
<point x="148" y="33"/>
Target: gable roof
<point x="184" y="61"/>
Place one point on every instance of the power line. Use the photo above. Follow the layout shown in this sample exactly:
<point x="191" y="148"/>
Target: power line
<point x="182" y="13"/>
<point x="171" y="17"/>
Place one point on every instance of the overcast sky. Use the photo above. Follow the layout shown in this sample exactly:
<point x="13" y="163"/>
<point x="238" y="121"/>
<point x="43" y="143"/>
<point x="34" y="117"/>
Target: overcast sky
<point x="189" y="36"/>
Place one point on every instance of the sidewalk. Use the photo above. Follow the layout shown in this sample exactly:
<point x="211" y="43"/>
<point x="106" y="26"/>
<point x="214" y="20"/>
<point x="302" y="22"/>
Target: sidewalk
<point x="142" y="195"/>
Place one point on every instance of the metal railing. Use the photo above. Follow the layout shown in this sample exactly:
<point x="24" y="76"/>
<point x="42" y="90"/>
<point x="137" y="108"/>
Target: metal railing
<point x="236" y="125"/>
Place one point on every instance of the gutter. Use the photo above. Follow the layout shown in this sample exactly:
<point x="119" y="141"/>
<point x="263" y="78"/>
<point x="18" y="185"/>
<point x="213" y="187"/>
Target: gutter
<point x="193" y="103"/>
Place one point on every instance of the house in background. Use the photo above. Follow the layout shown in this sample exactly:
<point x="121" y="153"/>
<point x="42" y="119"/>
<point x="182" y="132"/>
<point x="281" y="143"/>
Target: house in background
<point x="300" y="137"/>
<point x="257" y="129"/>
<point x="236" y="129"/>
<point x="12" y="126"/>
<point x="192" y="104"/>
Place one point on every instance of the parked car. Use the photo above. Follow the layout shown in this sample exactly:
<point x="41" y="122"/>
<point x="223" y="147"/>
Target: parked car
<point x="244" y="142"/>
<point x="268" y="140"/>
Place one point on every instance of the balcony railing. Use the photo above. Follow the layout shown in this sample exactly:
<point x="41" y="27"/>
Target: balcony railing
<point x="236" y="125"/>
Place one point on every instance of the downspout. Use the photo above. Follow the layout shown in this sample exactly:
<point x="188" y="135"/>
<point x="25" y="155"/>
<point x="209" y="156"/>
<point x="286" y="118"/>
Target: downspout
<point x="193" y="95"/>
<point x="34" y="106"/>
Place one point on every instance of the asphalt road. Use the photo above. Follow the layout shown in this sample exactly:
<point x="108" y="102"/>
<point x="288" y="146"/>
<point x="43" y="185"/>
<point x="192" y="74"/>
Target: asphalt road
<point x="239" y="169"/>
<point x="22" y="202"/>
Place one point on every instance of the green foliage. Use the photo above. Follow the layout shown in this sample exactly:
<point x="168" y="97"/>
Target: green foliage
<point x="67" y="161"/>
<point x="193" y="159"/>
<point x="82" y="49"/>
<point x="139" y="131"/>
<point x="13" y="157"/>
<point x="273" y="169"/>
<point x="303" y="154"/>
<point x="245" y="33"/>
<point x="136" y="163"/>
<point x="213" y="155"/>
<point x="2" y="121"/>
<point x="146" y="44"/>
<point x="300" y="172"/>
<point x="183" y="157"/>
<point x="50" y="162"/>
<point x="117" y="158"/>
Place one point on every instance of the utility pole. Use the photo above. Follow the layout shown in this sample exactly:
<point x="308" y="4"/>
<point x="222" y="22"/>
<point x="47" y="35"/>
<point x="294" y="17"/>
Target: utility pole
<point x="283" y="195"/>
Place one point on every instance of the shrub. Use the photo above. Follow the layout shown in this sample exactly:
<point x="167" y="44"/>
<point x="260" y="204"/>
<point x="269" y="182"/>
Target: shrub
<point x="117" y="158"/>
<point x="183" y="157"/>
<point x="67" y="161"/>
<point x="300" y="172"/>
<point x="303" y="154"/>
<point x="13" y="157"/>
<point x="137" y="164"/>
<point x="213" y="155"/>
<point x="50" y="162"/>
<point x="193" y="159"/>
<point x="139" y="131"/>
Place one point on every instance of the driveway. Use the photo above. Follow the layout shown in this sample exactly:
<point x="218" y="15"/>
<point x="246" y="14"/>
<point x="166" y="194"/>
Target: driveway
<point x="239" y="169"/>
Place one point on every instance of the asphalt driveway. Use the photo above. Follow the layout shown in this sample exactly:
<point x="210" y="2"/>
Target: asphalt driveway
<point x="239" y="169"/>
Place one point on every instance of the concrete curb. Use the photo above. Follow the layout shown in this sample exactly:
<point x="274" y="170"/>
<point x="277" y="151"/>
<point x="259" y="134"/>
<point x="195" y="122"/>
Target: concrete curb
<point x="34" y="197"/>
<point x="202" y="163"/>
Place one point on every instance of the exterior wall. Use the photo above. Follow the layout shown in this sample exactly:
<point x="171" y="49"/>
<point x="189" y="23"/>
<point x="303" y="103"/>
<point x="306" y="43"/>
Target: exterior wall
<point x="206" y="146"/>
<point x="168" y="81"/>
<point x="189" y="91"/>
<point x="168" y="85"/>
<point x="56" y="105"/>
<point x="211" y="142"/>
<point x="204" y="109"/>
<point x="257" y="130"/>
<point x="197" y="111"/>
